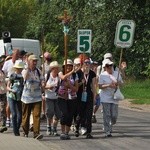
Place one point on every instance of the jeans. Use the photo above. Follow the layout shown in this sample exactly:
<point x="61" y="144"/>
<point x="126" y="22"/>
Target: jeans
<point x="16" y="111"/>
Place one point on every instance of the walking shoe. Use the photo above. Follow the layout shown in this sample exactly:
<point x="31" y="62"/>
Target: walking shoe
<point x="8" y="123"/>
<point x="89" y="136"/>
<point x="76" y="133"/>
<point x="108" y="135"/>
<point x="83" y="131"/>
<point x="55" y="133"/>
<point x="72" y="128"/>
<point x="67" y="136"/>
<point x="38" y="136"/>
<point x="2" y="129"/>
<point x="63" y="136"/>
<point x="49" y="131"/>
<point x="94" y="119"/>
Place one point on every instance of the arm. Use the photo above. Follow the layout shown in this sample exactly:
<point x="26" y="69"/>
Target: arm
<point x="94" y="88"/>
<point x="64" y="77"/>
<point x="9" y="86"/>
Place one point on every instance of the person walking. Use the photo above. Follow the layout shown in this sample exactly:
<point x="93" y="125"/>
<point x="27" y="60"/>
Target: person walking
<point x="32" y="97"/>
<point x="3" y="99"/>
<point x="15" y="88"/>
<point x="8" y="70"/>
<point x="51" y="88"/>
<point x="87" y="95"/>
<point x="108" y="83"/>
<point x="67" y="97"/>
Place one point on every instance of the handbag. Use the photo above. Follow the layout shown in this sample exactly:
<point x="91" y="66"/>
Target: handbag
<point x="118" y="95"/>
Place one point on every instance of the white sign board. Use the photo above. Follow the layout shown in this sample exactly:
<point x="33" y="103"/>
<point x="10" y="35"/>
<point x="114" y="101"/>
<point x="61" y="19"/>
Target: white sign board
<point x="84" y="41"/>
<point x="124" y="33"/>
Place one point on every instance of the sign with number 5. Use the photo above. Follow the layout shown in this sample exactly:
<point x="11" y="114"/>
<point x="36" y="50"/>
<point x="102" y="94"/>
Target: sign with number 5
<point x="124" y="33"/>
<point x="84" y="41"/>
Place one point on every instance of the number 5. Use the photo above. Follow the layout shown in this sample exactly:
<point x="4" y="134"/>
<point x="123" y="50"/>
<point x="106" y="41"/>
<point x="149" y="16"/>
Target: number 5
<point x="84" y="43"/>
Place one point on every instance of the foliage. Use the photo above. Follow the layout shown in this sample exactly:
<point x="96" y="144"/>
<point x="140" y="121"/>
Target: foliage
<point x="38" y="19"/>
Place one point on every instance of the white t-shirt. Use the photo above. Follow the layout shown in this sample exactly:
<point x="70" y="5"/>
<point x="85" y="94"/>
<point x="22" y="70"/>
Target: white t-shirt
<point x="107" y="94"/>
<point x="8" y="67"/>
<point x="50" y="93"/>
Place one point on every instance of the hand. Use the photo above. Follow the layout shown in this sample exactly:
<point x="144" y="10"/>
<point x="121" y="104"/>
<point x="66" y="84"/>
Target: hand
<point x="113" y="85"/>
<point x="13" y="91"/>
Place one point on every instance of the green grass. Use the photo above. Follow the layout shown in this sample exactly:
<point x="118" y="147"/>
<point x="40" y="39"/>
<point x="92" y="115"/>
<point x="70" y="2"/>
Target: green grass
<point x="139" y="91"/>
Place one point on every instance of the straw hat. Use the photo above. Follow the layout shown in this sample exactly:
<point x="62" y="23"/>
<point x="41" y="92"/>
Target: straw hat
<point x="54" y="64"/>
<point x="69" y="62"/>
<point x="18" y="64"/>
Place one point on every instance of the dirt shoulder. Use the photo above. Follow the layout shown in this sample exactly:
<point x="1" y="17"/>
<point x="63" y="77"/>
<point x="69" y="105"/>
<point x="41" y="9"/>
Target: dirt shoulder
<point x="136" y="107"/>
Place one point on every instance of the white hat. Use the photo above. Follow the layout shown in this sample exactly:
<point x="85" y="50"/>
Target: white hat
<point x="54" y="64"/>
<point x="18" y="64"/>
<point x="69" y="62"/>
<point x="107" y="55"/>
<point x="32" y="57"/>
<point x="77" y="61"/>
<point x="106" y="62"/>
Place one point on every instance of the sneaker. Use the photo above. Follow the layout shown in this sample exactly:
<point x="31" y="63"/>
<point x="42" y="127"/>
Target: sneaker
<point x="67" y="136"/>
<point x="108" y="135"/>
<point x="38" y="137"/>
<point x="94" y="119"/>
<point x="83" y="131"/>
<point x="89" y="136"/>
<point x="63" y="136"/>
<point x="8" y="123"/>
<point x="76" y="133"/>
<point x="49" y="132"/>
<point x="55" y="133"/>
<point x="3" y="129"/>
<point x="72" y="128"/>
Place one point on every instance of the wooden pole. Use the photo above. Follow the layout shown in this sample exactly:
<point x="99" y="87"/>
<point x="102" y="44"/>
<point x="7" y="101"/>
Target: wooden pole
<point x="120" y="60"/>
<point x="65" y="20"/>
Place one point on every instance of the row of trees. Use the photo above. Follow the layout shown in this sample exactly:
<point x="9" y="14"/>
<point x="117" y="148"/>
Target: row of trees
<point x="39" y="18"/>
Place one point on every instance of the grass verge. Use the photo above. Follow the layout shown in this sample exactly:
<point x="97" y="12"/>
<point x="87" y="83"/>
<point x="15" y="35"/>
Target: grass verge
<point x="137" y="90"/>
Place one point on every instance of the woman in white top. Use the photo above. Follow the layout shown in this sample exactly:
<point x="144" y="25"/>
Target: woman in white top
<point x="108" y="83"/>
<point x="52" y="109"/>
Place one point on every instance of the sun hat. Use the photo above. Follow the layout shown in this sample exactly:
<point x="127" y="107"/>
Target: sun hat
<point x="32" y="57"/>
<point x="18" y="64"/>
<point x="77" y="61"/>
<point x="54" y="64"/>
<point x="107" y="55"/>
<point x="8" y="57"/>
<point x="106" y="62"/>
<point x="69" y="62"/>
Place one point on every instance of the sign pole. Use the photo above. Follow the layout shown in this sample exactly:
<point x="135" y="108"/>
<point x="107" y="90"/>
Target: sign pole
<point x="65" y="20"/>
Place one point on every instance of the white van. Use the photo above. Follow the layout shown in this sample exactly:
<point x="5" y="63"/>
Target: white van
<point x="28" y="45"/>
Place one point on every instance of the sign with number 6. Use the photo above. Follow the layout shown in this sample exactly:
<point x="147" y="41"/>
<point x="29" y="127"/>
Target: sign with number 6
<point x="124" y="33"/>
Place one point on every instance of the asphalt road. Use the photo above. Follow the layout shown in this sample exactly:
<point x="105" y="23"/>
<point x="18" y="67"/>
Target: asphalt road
<point x="132" y="132"/>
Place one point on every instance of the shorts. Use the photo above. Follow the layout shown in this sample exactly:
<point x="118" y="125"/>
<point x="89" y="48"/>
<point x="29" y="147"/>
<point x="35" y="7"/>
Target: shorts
<point x="52" y="108"/>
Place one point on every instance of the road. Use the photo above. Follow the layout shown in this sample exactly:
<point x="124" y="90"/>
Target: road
<point x="132" y="132"/>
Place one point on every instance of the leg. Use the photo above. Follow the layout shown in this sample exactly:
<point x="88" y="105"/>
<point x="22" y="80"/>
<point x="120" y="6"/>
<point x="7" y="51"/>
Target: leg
<point x="26" y="112"/>
<point x="107" y="118"/>
<point x="19" y="115"/>
<point x="36" y="118"/>
<point x="114" y="113"/>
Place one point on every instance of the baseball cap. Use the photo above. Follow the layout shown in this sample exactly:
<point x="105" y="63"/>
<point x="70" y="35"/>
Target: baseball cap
<point x="106" y="62"/>
<point x="32" y="57"/>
